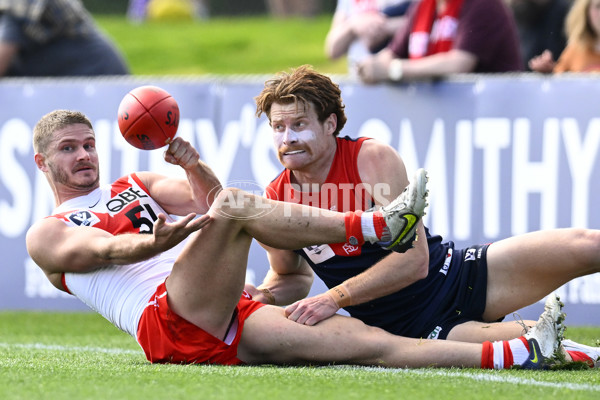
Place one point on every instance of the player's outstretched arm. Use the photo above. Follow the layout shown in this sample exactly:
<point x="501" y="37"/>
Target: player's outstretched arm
<point x="56" y="247"/>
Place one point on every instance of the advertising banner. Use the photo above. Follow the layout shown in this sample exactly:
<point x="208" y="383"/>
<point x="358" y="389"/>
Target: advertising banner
<point x="505" y="155"/>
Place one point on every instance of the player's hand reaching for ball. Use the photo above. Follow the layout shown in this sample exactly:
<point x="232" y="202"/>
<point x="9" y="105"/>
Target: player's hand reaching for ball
<point x="181" y="152"/>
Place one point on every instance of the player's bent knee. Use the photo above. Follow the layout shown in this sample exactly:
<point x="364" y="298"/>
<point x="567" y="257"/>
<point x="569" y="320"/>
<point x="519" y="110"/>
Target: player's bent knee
<point x="235" y="203"/>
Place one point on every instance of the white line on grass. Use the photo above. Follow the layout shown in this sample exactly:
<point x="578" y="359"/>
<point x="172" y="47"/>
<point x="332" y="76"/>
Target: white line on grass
<point x="53" y="347"/>
<point x="423" y="372"/>
<point x="488" y="377"/>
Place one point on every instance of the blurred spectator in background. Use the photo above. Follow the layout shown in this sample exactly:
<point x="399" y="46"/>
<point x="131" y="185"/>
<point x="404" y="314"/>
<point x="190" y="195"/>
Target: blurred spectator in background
<point x="360" y="28"/>
<point x="582" y="53"/>
<point x="141" y="10"/>
<point x="541" y="25"/>
<point x="54" y="38"/>
<point x="444" y="37"/>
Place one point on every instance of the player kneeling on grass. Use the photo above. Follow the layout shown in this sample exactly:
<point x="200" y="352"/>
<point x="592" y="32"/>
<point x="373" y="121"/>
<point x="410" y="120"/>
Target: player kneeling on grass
<point x="176" y="286"/>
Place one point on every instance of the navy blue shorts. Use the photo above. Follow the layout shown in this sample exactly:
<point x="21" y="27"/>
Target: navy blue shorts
<point x="466" y="301"/>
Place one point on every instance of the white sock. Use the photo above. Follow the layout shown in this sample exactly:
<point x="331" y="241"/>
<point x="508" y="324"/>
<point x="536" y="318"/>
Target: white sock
<point x="498" y="354"/>
<point x="518" y="349"/>
<point x="368" y="229"/>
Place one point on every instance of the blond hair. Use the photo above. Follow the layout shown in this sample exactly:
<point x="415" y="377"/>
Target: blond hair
<point x="577" y="25"/>
<point x="44" y="130"/>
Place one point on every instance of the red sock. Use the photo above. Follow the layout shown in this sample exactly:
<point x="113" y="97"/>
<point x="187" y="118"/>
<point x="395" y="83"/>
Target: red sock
<point x="354" y="234"/>
<point x="581" y="356"/>
<point x="507" y="358"/>
<point x="508" y="355"/>
<point x="379" y="223"/>
<point x="487" y="356"/>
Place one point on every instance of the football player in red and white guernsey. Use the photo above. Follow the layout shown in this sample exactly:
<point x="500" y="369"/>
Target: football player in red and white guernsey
<point x="176" y="284"/>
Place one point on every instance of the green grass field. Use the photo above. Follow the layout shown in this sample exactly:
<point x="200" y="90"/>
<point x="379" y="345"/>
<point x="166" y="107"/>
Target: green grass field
<point x="223" y="46"/>
<point x="81" y="356"/>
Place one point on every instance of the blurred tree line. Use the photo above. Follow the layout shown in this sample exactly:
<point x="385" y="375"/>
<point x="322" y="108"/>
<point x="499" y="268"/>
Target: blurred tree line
<point x="279" y="8"/>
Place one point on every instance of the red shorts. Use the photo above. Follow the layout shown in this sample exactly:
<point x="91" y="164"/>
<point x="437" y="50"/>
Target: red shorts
<point x="168" y="338"/>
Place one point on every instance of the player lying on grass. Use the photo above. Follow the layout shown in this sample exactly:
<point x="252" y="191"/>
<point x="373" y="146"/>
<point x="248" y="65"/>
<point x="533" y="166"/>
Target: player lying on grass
<point x="176" y="286"/>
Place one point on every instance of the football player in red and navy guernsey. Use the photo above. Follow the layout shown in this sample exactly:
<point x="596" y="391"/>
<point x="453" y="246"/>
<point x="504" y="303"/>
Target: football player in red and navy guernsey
<point x="433" y="290"/>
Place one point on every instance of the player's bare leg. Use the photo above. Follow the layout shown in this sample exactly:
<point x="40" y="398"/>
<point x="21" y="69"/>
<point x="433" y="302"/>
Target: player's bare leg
<point x="269" y="337"/>
<point x="524" y="269"/>
<point x="208" y="276"/>
<point x="479" y="332"/>
<point x="278" y="224"/>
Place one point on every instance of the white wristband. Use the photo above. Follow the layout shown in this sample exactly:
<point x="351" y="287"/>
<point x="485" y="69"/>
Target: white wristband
<point x="395" y="71"/>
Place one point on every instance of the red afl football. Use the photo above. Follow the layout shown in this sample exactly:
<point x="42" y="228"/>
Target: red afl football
<point x="148" y="117"/>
